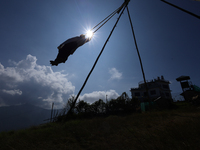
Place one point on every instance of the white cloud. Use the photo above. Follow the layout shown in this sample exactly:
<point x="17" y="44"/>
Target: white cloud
<point x="115" y="74"/>
<point x="1" y="67"/>
<point x="27" y="82"/>
<point x="96" y="95"/>
<point x="13" y="92"/>
<point x="33" y="83"/>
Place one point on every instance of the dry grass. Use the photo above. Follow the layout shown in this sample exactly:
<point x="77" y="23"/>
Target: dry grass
<point x="175" y="129"/>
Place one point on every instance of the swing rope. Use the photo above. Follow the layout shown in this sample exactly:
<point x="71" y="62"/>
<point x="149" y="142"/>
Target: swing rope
<point x="136" y="45"/>
<point x="114" y="12"/>
<point x="74" y="102"/>
<point x="104" y="21"/>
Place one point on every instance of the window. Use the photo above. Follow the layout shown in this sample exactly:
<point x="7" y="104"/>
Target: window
<point x="153" y="92"/>
<point x="137" y="93"/>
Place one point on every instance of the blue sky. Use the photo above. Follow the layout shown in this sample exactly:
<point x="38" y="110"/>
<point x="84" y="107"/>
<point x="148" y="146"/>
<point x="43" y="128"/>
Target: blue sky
<point x="168" y="41"/>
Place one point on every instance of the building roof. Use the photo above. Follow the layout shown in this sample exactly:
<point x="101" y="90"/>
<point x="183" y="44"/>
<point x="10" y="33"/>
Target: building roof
<point x="181" y="78"/>
<point x="151" y="84"/>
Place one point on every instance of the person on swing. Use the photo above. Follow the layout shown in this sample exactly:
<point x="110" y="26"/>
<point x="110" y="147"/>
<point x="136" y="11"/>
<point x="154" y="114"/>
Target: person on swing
<point x="68" y="48"/>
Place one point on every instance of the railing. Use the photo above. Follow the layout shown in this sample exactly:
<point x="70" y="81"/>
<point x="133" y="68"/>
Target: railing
<point x="147" y="81"/>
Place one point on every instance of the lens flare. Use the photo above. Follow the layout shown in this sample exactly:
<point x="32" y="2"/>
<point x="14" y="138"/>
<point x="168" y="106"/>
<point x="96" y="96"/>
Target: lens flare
<point x="89" y="34"/>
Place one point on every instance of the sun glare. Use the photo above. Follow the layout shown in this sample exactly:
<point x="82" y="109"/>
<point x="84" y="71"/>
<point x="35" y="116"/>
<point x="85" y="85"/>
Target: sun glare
<point x="89" y="34"/>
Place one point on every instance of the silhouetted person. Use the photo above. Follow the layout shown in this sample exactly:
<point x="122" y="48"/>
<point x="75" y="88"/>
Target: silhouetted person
<point x="68" y="48"/>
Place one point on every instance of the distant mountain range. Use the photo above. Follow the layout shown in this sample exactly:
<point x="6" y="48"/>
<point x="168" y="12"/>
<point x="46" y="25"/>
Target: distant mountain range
<point x="22" y="116"/>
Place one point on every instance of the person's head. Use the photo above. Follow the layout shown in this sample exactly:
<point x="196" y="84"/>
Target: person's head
<point x="82" y="35"/>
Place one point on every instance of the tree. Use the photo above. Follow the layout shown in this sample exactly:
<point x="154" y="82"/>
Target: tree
<point x="98" y="107"/>
<point x="82" y="107"/>
<point x="123" y="104"/>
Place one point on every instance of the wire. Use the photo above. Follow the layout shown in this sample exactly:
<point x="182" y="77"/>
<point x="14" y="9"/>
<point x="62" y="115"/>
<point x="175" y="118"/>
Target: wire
<point x="181" y="9"/>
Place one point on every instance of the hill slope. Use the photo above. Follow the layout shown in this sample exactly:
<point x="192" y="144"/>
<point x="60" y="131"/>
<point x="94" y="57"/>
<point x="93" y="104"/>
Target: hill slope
<point x="154" y="130"/>
<point x="21" y="116"/>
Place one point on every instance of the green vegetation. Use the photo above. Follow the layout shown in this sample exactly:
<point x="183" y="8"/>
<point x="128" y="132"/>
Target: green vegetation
<point x="122" y="105"/>
<point x="169" y="129"/>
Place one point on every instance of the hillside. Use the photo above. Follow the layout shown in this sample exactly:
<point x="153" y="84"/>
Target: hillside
<point x="170" y="129"/>
<point x="21" y="116"/>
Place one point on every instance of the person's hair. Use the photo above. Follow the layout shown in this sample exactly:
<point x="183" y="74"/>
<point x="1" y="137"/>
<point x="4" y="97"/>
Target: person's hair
<point x="82" y="35"/>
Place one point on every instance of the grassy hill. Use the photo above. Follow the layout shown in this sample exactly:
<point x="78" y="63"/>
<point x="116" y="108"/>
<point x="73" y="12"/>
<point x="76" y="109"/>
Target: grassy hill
<point x="170" y="129"/>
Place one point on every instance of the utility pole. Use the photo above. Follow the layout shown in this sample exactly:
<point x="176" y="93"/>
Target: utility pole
<point x="51" y="112"/>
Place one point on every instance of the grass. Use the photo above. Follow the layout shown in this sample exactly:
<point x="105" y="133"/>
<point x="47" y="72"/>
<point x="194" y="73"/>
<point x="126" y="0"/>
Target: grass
<point x="169" y="129"/>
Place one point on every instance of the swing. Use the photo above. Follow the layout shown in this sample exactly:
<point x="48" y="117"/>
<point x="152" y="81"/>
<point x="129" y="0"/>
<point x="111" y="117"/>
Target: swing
<point x="68" y="47"/>
<point x="123" y="6"/>
<point x="104" y="21"/>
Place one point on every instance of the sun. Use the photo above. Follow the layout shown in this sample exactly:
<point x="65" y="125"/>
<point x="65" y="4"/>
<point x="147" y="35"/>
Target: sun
<point x="89" y="34"/>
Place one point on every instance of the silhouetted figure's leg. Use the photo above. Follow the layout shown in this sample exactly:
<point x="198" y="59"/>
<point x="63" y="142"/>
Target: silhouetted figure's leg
<point x="61" y="58"/>
<point x="63" y="54"/>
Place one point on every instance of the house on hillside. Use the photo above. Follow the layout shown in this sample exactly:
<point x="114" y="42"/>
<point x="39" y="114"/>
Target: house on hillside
<point x="157" y="88"/>
<point x="191" y="92"/>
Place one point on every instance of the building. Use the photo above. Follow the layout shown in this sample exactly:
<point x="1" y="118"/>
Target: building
<point x="190" y="91"/>
<point x="157" y="88"/>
